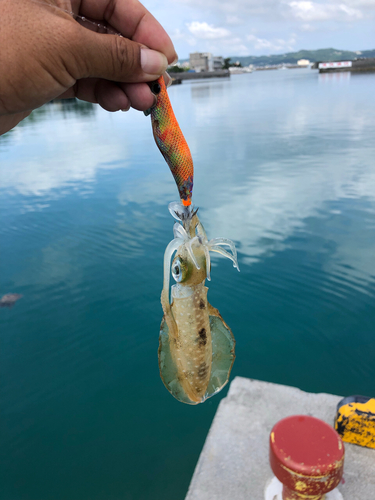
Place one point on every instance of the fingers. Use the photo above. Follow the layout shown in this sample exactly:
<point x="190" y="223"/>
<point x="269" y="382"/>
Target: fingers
<point x="112" y="96"/>
<point x="134" y="21"/>
<point x="112" y="57"/>
<point x="140" y="96"/>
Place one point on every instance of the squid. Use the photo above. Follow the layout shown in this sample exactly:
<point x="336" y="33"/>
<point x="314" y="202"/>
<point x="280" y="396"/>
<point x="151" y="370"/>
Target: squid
<point x="196" y="346"/>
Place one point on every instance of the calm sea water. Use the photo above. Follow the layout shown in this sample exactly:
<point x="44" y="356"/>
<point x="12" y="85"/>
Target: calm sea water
<point x="284" y="166"/>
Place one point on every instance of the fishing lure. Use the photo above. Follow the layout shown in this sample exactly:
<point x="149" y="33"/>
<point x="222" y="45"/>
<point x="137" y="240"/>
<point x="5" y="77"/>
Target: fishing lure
<point x="196" y="346"/>
<point x="171" y="142"/>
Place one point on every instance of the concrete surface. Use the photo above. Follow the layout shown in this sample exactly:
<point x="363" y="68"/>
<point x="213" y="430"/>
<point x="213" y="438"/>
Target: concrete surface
<point x="234" y="463"/>
<point x="219" y="73"/>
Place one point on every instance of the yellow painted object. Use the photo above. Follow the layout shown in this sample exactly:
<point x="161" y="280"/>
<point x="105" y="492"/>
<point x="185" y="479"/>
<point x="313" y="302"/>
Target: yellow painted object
<point x="355" y="420"/>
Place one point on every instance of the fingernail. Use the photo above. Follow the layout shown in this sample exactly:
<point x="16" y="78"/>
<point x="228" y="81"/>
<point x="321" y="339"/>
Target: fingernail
<point x="167" y="79"/>
<point x="126" y="109"/>
<point x="153" y="62"/>
<point x="174" y="60"/>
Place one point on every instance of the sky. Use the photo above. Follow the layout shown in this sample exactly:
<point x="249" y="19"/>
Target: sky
<point x="262" y="27"/>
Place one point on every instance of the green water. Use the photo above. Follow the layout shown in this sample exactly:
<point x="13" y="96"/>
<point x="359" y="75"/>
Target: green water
<point x="284" y="166"/>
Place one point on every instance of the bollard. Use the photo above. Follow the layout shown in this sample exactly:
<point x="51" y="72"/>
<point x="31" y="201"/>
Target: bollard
<point x="307" y="457"/>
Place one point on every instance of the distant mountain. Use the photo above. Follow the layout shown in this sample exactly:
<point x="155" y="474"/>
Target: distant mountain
<point x="311" y="55"/>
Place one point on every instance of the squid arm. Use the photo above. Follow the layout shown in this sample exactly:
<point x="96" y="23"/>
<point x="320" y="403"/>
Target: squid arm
<point x="165" y="302"/>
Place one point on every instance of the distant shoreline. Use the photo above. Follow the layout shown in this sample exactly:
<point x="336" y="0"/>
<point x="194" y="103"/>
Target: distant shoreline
<point x="329" y="54"/>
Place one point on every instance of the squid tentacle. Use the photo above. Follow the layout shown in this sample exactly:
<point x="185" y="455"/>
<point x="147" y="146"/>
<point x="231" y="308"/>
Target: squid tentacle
<point x="169" y="251"/>
<point x="215" y="245"/>
<point x="179" y="232"/>
<point x="223" y="252"/>
<point x="189" y="243"/>
<point x="208" y="262"/>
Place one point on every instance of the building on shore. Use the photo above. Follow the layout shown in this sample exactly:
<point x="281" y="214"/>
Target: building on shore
<point x="218" y="62"/>
<point x="236" y="70"/>
<point x="201" y="61"/>
<point x="303" y="62"/>
<point x="205" y="61"/>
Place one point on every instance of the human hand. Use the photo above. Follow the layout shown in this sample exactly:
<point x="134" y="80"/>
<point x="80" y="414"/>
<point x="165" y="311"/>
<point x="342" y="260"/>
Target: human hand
<point x="46" y="54"/>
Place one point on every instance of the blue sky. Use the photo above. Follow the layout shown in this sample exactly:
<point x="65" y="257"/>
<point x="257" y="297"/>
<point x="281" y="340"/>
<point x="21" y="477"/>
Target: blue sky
<point x="257" y="27"/>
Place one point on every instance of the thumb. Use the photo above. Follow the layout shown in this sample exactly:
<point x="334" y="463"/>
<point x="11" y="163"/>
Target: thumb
<point x="115" y="58"/>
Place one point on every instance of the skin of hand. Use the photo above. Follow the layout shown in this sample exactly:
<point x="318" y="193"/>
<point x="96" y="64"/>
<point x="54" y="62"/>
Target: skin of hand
<point x="46" y="54"/>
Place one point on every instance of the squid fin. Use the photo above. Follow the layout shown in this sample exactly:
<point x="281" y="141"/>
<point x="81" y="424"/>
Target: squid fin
<point x="223" y="351"/>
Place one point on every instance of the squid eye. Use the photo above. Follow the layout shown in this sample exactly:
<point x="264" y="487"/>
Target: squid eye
<point x="178" y="270"/>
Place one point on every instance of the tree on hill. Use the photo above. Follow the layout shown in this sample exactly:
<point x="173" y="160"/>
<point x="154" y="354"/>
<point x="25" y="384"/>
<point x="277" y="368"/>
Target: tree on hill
<point x="228" y="64"/>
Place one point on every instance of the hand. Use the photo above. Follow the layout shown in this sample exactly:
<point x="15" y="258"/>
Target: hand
<point x="46" y="54"/>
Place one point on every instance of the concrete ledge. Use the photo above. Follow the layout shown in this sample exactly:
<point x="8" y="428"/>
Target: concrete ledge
<point x="234" y="464"/>
<point x="219" y="73"/>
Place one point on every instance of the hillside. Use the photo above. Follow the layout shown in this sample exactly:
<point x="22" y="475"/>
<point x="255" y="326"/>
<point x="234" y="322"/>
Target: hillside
<point x="311" y="55"/>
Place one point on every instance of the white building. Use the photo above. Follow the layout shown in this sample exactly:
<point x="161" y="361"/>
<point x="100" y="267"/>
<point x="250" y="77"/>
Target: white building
<point x="303" y="62"/>
<point x="201" y="61"/>
<point x="218" y="62"/>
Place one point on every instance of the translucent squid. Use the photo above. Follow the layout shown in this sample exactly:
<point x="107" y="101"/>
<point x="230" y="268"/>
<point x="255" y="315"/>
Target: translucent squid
<point x="196" y="346"/>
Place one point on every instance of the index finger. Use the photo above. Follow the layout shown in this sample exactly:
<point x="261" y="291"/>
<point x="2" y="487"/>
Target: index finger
<point x="133" y="21"/>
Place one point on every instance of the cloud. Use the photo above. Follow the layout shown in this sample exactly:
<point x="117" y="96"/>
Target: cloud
<point x="232" y="12"/>
<point x="233" y="19"/>
<point x="307" y="28"/>
<point x="207" y="31"/>
<point x="308" y="11"/>
<point x="344" y="24"/>
<point x="178" y="34"/>
<point x="370" y="4"/>
<point x="272" y="45"/>
<point x="244" y="7"/>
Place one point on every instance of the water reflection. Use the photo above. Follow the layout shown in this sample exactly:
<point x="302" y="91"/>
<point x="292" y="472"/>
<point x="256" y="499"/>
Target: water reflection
<point x="75" y="106"/>
<point x="60" y="146"/>
<point x="258" y="203"/>
<point x="334" y="78"/>
<point x="261" y="204"/>
<point x="203" y="91"/>
<point x="283" y="166"/>
<point x="64" y="107"/>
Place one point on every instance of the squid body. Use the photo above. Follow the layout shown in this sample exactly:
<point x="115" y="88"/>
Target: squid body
<point x="196" y="346"/>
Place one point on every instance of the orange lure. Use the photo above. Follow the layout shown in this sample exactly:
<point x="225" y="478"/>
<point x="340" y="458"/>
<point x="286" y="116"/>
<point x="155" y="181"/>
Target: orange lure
<point x="171" y="142"/>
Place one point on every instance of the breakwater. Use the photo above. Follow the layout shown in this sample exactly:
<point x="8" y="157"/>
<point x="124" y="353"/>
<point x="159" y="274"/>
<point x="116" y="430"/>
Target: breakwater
<point x="357" y="65"/>
<point x="187" y="75"/>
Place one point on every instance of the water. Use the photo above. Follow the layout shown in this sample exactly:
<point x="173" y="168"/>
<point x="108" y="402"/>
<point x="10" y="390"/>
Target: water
<point x="284" y="166"/>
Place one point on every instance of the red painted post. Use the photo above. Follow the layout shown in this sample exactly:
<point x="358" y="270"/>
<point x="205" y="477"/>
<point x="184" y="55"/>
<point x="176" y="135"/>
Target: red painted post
<point x="307" y="456"/>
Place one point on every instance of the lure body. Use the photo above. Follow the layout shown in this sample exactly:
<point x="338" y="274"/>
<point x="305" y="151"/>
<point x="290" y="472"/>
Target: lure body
<point x="171" y="142"/>
<point x="196" y="346"/>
